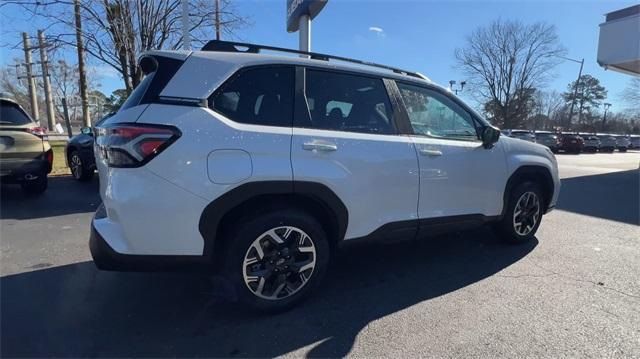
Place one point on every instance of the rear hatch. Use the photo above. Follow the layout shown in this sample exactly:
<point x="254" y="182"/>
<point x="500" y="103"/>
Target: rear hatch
<point x="116" y="135"/>
<point x="21" y="140"/>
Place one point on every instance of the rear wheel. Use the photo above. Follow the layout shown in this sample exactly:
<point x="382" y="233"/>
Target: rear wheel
<point x="79" y="168"/>
<point x="274" y="260"/>
<point x="523" y="214"/>
<point x="37" y="185"/>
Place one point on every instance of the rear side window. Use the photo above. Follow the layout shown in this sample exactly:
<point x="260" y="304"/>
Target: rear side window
<point x="11" y="114"/>
<point x="258" y="96"/>
<point x="158" y="72"/>
<point x="344" y="102"/>
<point x="136" y="95"/>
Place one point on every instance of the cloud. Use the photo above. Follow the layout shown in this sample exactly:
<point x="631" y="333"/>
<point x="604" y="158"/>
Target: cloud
<point x="378" y="30"/>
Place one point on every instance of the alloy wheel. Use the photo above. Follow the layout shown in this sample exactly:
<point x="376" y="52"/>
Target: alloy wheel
<point x="279" y="263"/>
<point x="76" y="166"/>
<point x="526" y="213"/>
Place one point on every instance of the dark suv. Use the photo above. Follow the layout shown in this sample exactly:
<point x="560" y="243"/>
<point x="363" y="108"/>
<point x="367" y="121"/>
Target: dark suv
<point x="571" y="143"/>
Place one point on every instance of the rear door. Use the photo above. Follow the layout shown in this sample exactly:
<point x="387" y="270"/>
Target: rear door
<point x="17" y="144"/>
<point x="346" y="139"/>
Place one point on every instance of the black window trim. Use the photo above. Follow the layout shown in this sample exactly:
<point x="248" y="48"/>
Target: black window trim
<point x="240" y="71"/>
<point x="301" y="100"/>
<point x="479" y="123"/>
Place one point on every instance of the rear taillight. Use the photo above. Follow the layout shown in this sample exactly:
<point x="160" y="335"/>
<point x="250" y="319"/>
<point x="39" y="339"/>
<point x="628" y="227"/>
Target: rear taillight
<point x="49" y="156"/>
<point x="38" y="131"/>
<point x="133" y="145"/>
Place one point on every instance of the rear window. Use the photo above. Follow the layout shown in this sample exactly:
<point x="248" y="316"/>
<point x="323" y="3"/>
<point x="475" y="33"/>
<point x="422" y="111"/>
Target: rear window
<point x="259" y="96"/>
<point x="11" y="114"/>
<point x="345" y="102"/>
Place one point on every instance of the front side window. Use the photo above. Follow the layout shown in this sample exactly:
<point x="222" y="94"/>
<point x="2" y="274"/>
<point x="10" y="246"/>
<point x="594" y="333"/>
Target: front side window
<point x="344" y="102"/>
<point x="259" y="96"/>
<point x="435" y="115"/>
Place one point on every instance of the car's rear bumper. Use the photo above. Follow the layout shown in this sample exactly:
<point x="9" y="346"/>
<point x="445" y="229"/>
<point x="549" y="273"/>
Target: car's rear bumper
<point x="106" y="258"/>
<point x="16" y="171"/>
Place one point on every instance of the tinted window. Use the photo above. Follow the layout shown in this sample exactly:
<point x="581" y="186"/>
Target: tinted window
<point x="435" y="115"/>
<point x="260" y="96"/>
<point x="137" y="93"/>
<point x="11" y="114"/>
<point x="344" y="102"/>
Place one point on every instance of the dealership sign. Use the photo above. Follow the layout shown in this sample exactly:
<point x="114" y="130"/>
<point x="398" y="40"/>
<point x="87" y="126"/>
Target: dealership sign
<point x="298" y="8"/>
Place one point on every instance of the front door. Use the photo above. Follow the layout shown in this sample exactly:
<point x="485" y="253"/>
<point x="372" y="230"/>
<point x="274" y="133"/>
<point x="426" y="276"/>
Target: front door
<point x="458" y="176"/>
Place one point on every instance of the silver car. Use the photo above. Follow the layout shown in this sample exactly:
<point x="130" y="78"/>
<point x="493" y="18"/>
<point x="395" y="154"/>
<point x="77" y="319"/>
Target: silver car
<point x="548" y="139"/>
<point x="591" y="142"/>
<point x="622" y="143"/>
<point x="608" y="143"/>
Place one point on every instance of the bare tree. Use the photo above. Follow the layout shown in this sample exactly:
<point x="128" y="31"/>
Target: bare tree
<point x="115" y="32"/>
<point x="631" y="97"/>
<point x="504" y="62"/>
<point x="546" y="109"/>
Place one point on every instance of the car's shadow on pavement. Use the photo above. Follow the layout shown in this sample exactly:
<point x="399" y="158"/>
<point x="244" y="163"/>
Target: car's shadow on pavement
<point x="76" y="310"/>
<point x="55" y="201"/>
<point x="613" y="196"/>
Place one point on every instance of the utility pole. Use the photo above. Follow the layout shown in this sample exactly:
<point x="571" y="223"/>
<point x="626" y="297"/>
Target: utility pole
<point x="30" y="80"/>
<point x="44" y="61"/>
<point x="86" y="117"/>
<point x="604" y="118"/>
<point x="217" y="19"/>
<point x="186" y="37"/>
<point x="65" y="111"/>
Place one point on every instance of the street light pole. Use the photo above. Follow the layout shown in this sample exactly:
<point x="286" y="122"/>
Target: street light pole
<point x="575" y="92"/>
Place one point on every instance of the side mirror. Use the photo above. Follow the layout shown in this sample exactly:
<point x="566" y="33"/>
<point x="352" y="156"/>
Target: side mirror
<point x="490" y="135"/>
<point x="87" y="131"/>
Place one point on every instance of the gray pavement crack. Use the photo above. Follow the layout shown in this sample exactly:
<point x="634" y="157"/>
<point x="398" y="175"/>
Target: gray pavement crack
<point x="551" y="273"/>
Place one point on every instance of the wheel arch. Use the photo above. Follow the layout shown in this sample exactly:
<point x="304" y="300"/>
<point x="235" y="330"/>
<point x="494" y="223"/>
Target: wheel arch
<point x="538" y="174"/>
<point x="220" y="215"/>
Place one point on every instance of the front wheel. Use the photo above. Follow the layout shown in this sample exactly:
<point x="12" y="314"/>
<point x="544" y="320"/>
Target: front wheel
<point x="276" y="259"/>
<point x="523" y="214"/>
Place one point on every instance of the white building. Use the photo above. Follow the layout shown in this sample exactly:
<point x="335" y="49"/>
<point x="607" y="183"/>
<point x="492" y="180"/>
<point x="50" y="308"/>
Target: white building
<point x="619" y="43"/>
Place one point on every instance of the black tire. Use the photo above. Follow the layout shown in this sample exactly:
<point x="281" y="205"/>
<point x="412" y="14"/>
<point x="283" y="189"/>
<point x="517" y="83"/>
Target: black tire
<point x="79" y="169"/>
<point x="36" y="186"/>
<point x="506" y="227"/>
<point x="240" y="246"/>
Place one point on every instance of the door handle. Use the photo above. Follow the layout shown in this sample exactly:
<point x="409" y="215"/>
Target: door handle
<point x="319" y="146"/>
<point x="427" y="152"/>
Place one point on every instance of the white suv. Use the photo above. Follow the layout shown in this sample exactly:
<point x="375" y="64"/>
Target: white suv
<point x="257" y="166"/>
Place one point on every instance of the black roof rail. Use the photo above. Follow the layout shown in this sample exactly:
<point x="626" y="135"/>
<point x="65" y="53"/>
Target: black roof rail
<point x="230" y="46"/>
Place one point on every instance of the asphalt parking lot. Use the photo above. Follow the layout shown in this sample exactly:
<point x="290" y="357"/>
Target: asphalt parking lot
<point x="574" y="292"/>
